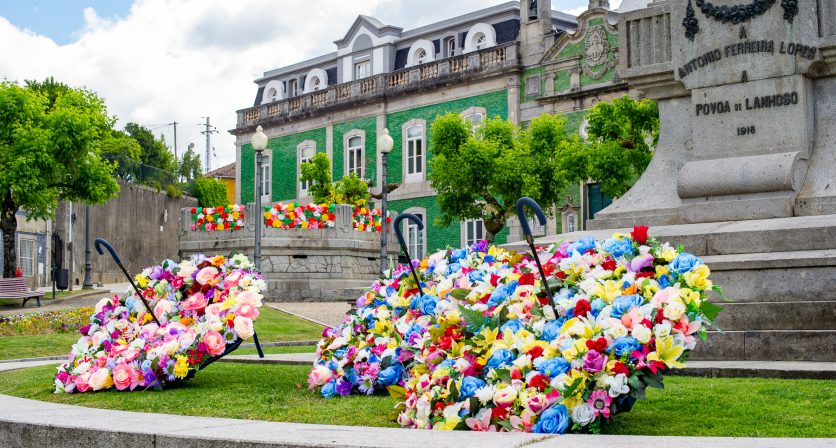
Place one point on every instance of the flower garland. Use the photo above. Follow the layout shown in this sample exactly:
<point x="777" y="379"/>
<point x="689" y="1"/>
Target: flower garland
<point x="230" y="217"/>
<point x="206" y="306"/>
<point x="367" y="219"/>
<point x="483" y="350"/>
<point x="297" y="216"/>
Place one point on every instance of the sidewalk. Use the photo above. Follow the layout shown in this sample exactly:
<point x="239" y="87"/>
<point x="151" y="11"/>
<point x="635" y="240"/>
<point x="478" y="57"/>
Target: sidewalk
<point x="327" y="314"/>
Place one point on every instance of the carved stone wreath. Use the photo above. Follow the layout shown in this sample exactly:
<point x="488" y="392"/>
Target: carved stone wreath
<point x="596" y="53"/>
<point x="733" y="14"/>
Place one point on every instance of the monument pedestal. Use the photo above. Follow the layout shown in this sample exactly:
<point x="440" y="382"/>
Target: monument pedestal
<point x="744" y="174"/>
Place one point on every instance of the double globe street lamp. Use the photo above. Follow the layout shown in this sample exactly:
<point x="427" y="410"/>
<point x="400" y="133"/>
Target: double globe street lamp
<point x="384" y="146"/>
<point x="259" y="144"/>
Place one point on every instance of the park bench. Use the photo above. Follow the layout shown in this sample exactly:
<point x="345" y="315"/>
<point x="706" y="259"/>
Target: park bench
<point x="15" y="288"/>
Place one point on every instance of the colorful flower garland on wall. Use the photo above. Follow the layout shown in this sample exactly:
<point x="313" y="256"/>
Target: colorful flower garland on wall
<point x="297" y="216"/>
<point x="207" y="219"/>
<point x="367" y="219"/>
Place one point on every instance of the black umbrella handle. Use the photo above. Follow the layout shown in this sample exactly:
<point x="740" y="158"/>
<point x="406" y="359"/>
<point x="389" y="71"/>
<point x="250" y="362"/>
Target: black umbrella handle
<point x="529" y="238"/>
<point x="399" y="234"/>
<point x="101" y="242"/>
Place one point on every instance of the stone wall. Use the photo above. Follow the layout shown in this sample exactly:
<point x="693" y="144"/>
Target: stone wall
<point x="334" y="264"/>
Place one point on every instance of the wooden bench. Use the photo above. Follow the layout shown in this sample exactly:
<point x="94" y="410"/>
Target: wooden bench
<point x="15" y="288"/>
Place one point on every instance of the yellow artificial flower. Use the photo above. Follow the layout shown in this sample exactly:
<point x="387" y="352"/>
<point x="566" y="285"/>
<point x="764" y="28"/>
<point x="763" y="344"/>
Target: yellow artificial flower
<point x="667" y="352"/>
<point x="454" y="317"/>
<point x="668" y="253"/>
<point x="662" y="270"/>
<point x="698" y="277"/>
<point x="608" y="291"/>
<point x="448" y="424"/>
<point x="218" y="260"/>
<point x="181" y="368"/>
<point x="690" y="296"/>
<point x="486" y="337"/>
<point x="141" y="280"/>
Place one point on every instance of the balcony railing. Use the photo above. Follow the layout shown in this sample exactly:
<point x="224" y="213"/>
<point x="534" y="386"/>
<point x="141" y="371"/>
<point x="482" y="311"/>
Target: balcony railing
<point x="400" y="81"/>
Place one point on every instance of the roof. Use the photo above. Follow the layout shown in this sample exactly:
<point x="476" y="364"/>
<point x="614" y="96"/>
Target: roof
<point x="226" y="171"/>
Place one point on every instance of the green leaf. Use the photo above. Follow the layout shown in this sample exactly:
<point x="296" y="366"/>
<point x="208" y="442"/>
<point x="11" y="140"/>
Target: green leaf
<point x="653" y="380"/>
<point x="396" y="411"/>
<point x="503" y="375"/>
<point x="454" y="390"/>
<point x="710" y="310"/>
<point x="460" y="293"/>
<point x="397" y="392"/>
<point x="475" y="319"/>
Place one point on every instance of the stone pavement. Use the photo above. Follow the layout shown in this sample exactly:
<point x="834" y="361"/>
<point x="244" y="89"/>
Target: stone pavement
<point x="58" y="304"/>
<point x="323" y="313"/>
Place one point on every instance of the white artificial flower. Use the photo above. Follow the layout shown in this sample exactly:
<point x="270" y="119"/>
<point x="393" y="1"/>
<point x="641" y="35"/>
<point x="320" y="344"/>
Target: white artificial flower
<point x="642" y="333"/>
<point x="674" y="309"/>
<point x="616" y="331"/>
<point x="583" y="414"/>
<point x="618" y="385"/>
<point x="485" y="393"/>
<point x="662" y="330"/>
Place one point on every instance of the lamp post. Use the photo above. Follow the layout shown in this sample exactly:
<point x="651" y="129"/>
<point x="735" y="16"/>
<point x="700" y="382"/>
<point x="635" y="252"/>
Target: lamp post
<point x="384" y="145"/>
<point x="88" y="280"/>
<point x="259" y="144"/>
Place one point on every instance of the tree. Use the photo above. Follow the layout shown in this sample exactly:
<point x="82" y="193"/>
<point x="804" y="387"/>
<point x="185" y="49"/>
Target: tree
<point x="189" y="167"/>
<point x="622" y="137"/>
<point x="125" y="152"/>
<point x="482" y="176"/>
<point x="50" y="144"/>
<point x="348" y="190"/>
<point x="209" y="192"/>
<point x="158" y="161"/>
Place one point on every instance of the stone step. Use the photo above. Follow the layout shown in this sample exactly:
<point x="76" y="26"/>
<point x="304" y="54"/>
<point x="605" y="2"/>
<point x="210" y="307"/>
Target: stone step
<point x="776" y="284"/>
<point x="768" y="345"/>
<point x="812" y="315"/>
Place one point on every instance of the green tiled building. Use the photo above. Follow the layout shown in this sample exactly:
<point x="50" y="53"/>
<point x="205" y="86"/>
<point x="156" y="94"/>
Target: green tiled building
<point x="516" y="61"/>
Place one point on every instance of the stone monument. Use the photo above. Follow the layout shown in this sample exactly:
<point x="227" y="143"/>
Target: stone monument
<point x="745" y="170"/>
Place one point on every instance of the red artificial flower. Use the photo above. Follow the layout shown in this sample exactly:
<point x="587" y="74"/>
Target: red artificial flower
<point x="609" y="265"/>
<point x="599" y="345"/>
<point x="639" y="234"/>
<point x="539" y="381"/>
<point x="494" y="280"/>
<point x="561" y="275"/>
<point x="543" y="300"/>
<point x="660" y="316"/>
<point x="645" y="274"/>
<point x="516" y="374"/>
<point x="582" y="308"/>
<point x="619" y="367"/>
<point x="535" y="352"/>
<point x="527" y="279"/>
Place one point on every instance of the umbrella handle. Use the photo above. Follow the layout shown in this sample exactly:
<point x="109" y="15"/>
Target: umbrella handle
<point x="399" y="234"/>
<point x="101" y="242"/>
<point x="529" y="238"/>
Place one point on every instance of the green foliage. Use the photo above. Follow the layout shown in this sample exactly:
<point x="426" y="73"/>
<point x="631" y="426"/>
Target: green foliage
<point x="482" y="176"/>
<point x="51" y="139"/>
<point x="121" y="149"/>
<point x="154" y="151"/>
<point x="190" y="167"/>
<point x="622" y="136"/>
<point x="209" y="192"/>
<point x="175" y="192"/>
<point x="348" y="190"/>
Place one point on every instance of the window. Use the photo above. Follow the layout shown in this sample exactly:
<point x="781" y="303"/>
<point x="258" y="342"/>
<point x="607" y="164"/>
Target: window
<point x="479" y="41"/>
<point x="272" y="94"/>
<point x="316" y="84"/>
<point x="475" y="121"/>
<point x="415" y="153"/>
<point x="569" y="222"/>
<point x="306" y="153"/>
<point x="596" y="200"/>
<point x="26" y="256"/>
<point x="354" y="156"/>
<point x="450" y="45"/>
<point x="415" y="237"/>
<point x="362" y="69"/>
<point x="421" y="56"/>
<point x="293" y="87"/>
<point x="265" y="178"/>
<point x="536" y="228"/>
<point x="473" y="231"/>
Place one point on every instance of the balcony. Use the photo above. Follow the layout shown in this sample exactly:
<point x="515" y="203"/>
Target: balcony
<point x="487" y="62"/>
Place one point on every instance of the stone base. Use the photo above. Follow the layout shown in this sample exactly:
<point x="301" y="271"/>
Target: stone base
<point x="780" y="275"/>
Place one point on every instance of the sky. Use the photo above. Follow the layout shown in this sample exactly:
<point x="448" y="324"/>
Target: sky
<point x="160" y="61"/>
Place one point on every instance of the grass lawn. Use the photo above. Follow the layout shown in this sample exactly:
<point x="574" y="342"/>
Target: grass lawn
<point x="272" y="325"/>
<point x="691" y="406"/>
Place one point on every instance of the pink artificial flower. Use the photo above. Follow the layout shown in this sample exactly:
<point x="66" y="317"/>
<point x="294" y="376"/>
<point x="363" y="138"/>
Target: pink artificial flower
<point x="319" y="375"/>
<point x="243" y="326"/>
<point x="81" y="382"/>
<point x="482" y="421"/>
<point x="232" y="279"/>
<point x="215" y="343"/>
<point x="594" y="361"/>
<point x="195" y="302"/>
<point x="206" y="274"/>
<point x="662" y="297"/>
<point x="600" y="401"/>
<point x="248" y="311"/>
<point x="124" y="376"/>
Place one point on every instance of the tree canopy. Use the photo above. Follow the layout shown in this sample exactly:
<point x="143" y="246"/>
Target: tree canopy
<point x="349" y="189"/>
<point x="51" y="138"/>
<point x="481" y="174"/>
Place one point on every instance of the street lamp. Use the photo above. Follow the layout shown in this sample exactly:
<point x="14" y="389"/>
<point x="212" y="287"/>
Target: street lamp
<point x="88" y="279"/>
<point x="259" y="144"/>
<point x="384" y="145"/>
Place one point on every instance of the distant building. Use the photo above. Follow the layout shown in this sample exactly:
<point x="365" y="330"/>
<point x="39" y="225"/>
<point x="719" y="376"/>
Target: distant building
<point x="515" y="60"/>
<point x="226" y="175"/>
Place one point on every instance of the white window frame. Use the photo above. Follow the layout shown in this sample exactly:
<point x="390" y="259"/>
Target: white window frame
<point x="24" y="262"/>
<point x="471" y="225"/>
<point x="293" y="87"/>
<point x="367" y="69"/>
<point x="302" y="188"/>
<point x="471" y="112"/>
<point x="266" y="179"/>
<point x="570" y="219"/>
<point x="450" y="46"/>
<point x="347" y="150"/>
<point x="417" y="176"/>
<point x="416" y="240"/>
<point x="472" y="43"/>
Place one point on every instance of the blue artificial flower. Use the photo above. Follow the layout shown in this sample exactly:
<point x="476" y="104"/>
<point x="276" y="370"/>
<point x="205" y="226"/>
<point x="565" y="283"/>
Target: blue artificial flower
<point x="414" y="329"/>
<point x="624" y="345"/>
<point x="470" y="384"/>
<point x="453" y="268"/>
<point x="582" y="245"/>
<point x="390" y="375"/>
<point x="446" y="363"/>
<point x="501" y="293"/>
<point x="597" y="305"/>
<point x="475" y="276"/>
<point x="351" y="376"/>
<point x="500" y="358"/>
<point x="329" y="389"/>
<point x="623" y="304"/>
<point x="619" y="247"/>
<point x="554" y="420"/>
<point x="552" y="329"/>
<point x="683" y="263"/>
<point x="458" y="254"/>
<point x="553" y="367"/>
<point x="512" y="325"/>
<point x="340" y="352"/>
<point x="428" y="304"/>
<point x="664" y="281"/>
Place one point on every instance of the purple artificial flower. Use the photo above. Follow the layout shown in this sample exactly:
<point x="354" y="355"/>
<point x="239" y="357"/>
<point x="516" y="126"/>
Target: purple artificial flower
<point x="344" y="387"/>
<point x="366" y="385"/>
<point x="148" y="377"/>
<point x="594" y="361"/>
<point x="640" y="262"/>
<point x="156" y="273"/>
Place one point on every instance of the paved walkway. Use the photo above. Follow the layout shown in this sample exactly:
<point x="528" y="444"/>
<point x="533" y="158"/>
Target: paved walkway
<point x="323" y="313"/>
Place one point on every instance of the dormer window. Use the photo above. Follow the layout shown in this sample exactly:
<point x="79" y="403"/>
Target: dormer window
<point x="421" y="57"/>
<point x="272" y="94"/>
<point x="293" y="87"/>
<point x="450" y="45"/>
<point x="479" y="41"/>
<point x="316" y="84"/>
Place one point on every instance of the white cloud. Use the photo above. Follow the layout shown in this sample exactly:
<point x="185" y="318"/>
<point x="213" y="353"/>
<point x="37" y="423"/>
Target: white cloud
<point x="182" y="60"/>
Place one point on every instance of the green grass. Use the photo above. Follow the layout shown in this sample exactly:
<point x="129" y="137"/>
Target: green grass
<point x="688" y="406"/>
<point x="277" y="350"/>
<point x="45" y="299"/>
<point x="272" y="325"/>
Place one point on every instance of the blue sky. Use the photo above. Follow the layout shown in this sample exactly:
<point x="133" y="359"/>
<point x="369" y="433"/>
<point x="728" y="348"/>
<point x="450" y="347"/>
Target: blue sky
<point x="59" y="20"/>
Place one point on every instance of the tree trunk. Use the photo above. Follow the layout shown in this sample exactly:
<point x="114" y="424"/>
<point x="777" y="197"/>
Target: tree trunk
<point x="8" y="223"/>
<point x="492" y="227"/>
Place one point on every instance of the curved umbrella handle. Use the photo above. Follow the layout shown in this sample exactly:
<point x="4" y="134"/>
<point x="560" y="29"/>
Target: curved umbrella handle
<point x="399" y="234"/>
<point x="101" y="242"/>
<point x="529" y="238"/>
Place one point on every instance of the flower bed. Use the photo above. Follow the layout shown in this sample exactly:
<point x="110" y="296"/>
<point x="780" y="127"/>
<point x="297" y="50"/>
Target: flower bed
<point x="482" y="349"/>
<point x="367" y="219"/>
<point x="205" y="306"/>
<point x="297" y="216"/>
<point x="207" y="219"/>
<point x="65" y="321"/>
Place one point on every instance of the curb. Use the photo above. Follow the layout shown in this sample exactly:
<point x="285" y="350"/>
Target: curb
<point x="47" y="302"/>
<point x="300" y="316"/>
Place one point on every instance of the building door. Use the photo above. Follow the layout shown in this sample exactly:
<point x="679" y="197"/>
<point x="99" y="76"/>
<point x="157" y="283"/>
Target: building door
<point x="596" y="200"/>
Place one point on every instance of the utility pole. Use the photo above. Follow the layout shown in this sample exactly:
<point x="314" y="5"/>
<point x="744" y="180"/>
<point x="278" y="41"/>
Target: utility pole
<point x="175" y="139"/>
<point x="208" y="133"/>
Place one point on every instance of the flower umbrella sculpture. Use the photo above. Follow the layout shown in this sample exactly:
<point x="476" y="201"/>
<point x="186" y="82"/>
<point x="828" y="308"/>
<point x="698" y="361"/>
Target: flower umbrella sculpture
<point x="483" y="349"/>
<point x="181" y="318"/>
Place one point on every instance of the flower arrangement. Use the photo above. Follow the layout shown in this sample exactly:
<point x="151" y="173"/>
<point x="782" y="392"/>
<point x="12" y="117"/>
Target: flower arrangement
<point x="484" y="350"/>
<point x="207" y="219"/>
<point x="367" y="219"/>
<point x="205" y="306"/>
<point x="64" y="321"/>
<point x="297" y="216"/>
